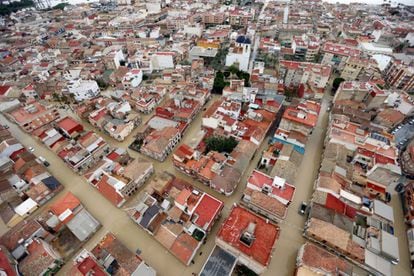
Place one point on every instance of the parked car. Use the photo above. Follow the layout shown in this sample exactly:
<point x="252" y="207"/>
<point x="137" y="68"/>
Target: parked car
<point x="31" y="149"/>
<point x="303" y="207"/>
<point x="5" y="126"/>
<point x="44" y="161"/>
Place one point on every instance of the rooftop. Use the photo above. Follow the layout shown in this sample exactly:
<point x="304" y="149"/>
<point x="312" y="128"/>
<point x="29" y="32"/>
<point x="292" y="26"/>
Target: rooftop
<point x="265" y="234"/>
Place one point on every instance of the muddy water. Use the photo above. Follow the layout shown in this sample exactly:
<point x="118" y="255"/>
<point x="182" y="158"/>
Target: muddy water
<point x="116" y="220"/>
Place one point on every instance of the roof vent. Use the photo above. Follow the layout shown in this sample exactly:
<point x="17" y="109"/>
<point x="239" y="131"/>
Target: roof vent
<point x="247" y="237"/>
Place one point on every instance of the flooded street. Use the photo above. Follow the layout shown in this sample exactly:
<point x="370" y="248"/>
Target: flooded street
<point x="115" y="220"/>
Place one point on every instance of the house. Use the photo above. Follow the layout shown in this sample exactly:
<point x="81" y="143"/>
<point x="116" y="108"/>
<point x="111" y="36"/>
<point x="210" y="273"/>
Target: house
<point x="249" y="238"/>
<point x="312" y="259"/>
<point x="68" y="211"/>
<point x="83" y="89"/>
<point x="159" y="143"/>
<point x="214" y="169"/>
<point x="297" y="123"/>
<point x="5" y="91"/>
<point x="70" y="127"/>
<point x="116" y="182"/>
<point x="110" y="257"/>
<point x="268" y="196"/>
<point x="42" y="259"/>
<point x="34" y="116"/>
<point x="8" y="264"/>
<point x="132" y="79"/>
<point x="176" y="214"/>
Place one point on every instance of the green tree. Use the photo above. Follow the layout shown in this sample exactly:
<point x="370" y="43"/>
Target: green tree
<point x="219" y="83"/>
<point x="15" y="6"/>
<point x="220" y="144"/>
<point x="102" y="84"/>
<point x="337" y="82"/>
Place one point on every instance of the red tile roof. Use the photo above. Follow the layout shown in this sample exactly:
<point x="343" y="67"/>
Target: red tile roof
<point x="5" y="264"/>
<point x="89" y="267"/>
<point x="69" y="201"/>
<point x="109" y="191"/>
<point x="4" y="89"/>
<point x="259" y="179"/>
<point x="184" y="247"/>
<point x="69" y="124"/>
<point x="308" y="119"/>
<point x="207" y="209"/>
<point x="265" y="234"/>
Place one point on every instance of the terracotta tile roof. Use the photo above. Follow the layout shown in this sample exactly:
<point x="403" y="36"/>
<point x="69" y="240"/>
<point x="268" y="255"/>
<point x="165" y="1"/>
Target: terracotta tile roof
<point x="184" y="247"/>
<point x="265" y="234"/>
<point x="335" y="237"/>
<point x="23" y="230"/>
<point x="69" y="201"/>
<point x="38" y="260"/>
<point x="206" y="210"/>
<point x="318" y="259"/>
<point x="127" y="261"/>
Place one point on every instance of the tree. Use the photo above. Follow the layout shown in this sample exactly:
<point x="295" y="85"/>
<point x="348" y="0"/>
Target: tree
<point x="337" y="82"/>
<point x="15" y="6"/>
<point x="220" y="144"/>
<point x="102" y="84"/>
<point x="219" y="83"/>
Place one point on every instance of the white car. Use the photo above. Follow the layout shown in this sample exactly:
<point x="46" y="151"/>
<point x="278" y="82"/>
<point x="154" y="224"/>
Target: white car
<point x="31" y="149"/>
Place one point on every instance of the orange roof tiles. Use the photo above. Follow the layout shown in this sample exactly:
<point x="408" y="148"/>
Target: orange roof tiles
<point x="265" y="234"/>
<point x="69" y="201"/>
<point x="184" y="247"/>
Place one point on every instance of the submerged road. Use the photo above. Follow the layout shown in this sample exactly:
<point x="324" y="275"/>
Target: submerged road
<point x="115" y="220"/>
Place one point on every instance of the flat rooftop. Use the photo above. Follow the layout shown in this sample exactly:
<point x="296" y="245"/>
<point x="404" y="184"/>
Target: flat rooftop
<point x="219" y="263"/>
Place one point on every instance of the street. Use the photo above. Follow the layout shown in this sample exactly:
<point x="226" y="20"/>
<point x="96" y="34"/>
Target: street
<point x="115" y="220"/>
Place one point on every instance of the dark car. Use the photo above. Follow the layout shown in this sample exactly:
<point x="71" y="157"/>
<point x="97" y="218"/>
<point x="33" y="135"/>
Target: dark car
<point x="303" y="207"/>
<point x="47" y="164"/>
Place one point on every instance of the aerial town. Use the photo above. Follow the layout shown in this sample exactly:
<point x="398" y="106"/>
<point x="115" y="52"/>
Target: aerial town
<point x="206" y="137"/>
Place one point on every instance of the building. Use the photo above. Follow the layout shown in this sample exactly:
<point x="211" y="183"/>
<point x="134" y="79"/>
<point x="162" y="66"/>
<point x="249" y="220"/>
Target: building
<point x="305" y="76"/>
<point x="238" y="17"/>
<point x="34" y="116"/>
<point x="400" y="75"/>
<point x="213" y="18"/>
<point x="160" y="143"/>
<point x="132" y="79"/>
<point x="83" y="89"/>
<point x="69" y="212"/>
<point x="336" y="55"/>
<point x="249" y="238"/>
<point x="358" y="68"/>
<point x="305" y="48"/>
<point x="314" y="260"/>
<point x="268" y="196"/>
<point x="239" y="53"/>
<point x="41" y="259"/>
<point x="176" y="214"/>
<point x="162" y="60"/>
